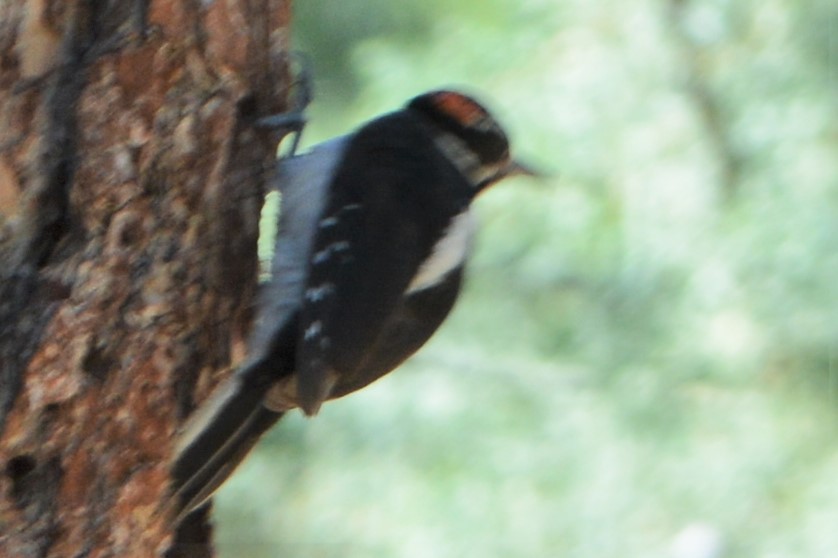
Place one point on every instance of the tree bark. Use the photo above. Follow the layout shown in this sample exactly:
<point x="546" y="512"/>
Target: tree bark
<point x="131" y="180"/>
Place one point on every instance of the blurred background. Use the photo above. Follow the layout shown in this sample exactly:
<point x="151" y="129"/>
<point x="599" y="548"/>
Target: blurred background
<point x="645" y="360"/>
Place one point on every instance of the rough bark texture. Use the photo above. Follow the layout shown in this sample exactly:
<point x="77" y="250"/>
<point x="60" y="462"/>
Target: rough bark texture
<point x="131" y="178"/>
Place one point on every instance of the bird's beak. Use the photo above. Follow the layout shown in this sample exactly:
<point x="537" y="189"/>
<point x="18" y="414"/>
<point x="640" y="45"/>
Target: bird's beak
<point x="512" y="168"/>
<point x="516" y="168"/>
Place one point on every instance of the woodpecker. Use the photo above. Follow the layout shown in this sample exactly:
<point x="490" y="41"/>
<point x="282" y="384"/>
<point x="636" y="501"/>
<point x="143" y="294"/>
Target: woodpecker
<point x="375" y="229"/>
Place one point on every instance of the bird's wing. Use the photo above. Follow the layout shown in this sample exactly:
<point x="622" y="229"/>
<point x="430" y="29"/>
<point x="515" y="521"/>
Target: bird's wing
<point x="303" y="183"/>
<point x="379" y="224"/>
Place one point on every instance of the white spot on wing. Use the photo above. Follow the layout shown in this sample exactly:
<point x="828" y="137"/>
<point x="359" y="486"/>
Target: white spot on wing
<point x="448" y="253"/>
<point x="325" y="253"/>
<point x="314" y="294"/>
<point x="321" y="256"/>
<point x="328" y="222"/>
<point x="313" y="330"/>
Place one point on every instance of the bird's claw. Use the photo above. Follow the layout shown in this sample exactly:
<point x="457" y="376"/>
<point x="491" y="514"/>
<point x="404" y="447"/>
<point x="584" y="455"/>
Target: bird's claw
<point x="293" y="120"/>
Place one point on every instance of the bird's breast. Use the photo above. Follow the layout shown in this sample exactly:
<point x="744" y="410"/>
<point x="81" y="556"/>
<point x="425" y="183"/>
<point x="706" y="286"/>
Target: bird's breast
<point x="449" y="252"/>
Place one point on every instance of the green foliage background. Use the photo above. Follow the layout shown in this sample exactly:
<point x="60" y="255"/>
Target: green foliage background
<point x="645" y="361"/>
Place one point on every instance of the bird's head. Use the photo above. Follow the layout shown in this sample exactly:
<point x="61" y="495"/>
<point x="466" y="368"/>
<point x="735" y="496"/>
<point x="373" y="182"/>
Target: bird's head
<point x="469" y="136"/>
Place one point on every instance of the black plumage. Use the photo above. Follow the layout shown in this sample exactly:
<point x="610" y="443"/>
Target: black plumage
<point x="387" y="218"/>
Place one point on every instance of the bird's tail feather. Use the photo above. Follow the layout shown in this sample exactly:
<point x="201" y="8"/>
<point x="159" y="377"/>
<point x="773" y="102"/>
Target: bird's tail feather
<point x="215" y="440"/>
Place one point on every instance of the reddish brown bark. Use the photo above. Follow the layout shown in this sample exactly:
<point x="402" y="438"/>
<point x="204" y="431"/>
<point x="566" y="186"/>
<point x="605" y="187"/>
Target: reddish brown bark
<point x="131" y="178"/>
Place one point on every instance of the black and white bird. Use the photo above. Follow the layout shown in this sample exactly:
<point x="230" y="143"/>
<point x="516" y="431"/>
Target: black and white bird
<point x="374" y="233"/>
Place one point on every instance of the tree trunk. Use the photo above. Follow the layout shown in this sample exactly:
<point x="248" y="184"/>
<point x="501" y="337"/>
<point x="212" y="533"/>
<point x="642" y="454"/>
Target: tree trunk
<point x="131" y="179"/>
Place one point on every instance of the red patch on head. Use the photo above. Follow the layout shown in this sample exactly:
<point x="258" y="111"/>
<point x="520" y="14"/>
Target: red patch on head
<point x="459" y="107"/>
